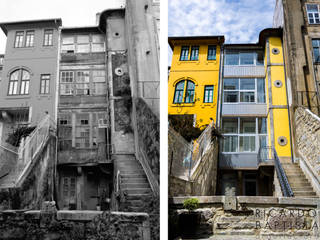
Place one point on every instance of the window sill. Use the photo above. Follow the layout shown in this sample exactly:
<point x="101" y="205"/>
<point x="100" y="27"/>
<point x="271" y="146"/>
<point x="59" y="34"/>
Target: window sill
<point x="182" y="104"/>
<point x="18" y="97"/>
<point x="188" y="61"/>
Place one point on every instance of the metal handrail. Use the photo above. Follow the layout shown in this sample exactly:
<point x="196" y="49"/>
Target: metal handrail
<point x="283" y="180"/>
<point x="270" y="154"/>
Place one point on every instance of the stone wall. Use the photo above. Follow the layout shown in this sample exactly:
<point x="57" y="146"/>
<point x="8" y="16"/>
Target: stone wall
<point x="308" y="142"/>
<point x="50" y="224"/>
<point x="245" y="217"/>
<point x="203" y="177"/>
<point x="148" y="131"/>
<point x="36" y="184"/>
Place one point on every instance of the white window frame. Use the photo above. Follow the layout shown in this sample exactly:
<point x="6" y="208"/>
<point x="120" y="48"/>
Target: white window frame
<point x="313" y="14"/>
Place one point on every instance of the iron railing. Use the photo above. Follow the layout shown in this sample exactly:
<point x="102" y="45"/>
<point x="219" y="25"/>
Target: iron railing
<point x="267" y="154"/>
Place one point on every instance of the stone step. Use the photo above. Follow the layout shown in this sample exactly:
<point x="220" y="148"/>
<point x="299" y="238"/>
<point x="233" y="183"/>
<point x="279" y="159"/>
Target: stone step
<point x="306" y="188"/>
<point x="129" y="171"/>
<point x="304" y="193"/>
<point x="134" y="203"/>
<point x="299" y="185"/>
<point x="297" y="179"/>
<point x="134" y="180"/>
<point x="132" y="175"/>
<point x="134" y="185"/>
<point x="131" y="191"/>
<point x="125" y="166"/>
<point x="136" y="196"/>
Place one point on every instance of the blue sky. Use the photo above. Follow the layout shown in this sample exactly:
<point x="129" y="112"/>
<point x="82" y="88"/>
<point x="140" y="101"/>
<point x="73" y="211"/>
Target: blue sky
<point x="240" y="21"/>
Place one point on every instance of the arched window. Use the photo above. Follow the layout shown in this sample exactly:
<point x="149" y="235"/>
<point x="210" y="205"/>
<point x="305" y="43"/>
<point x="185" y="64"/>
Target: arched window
<point x="180" y="89"/>
<point x="23" y="76"/>
<point x="25" y="82"/>
<point x="13" y="83"/>
<point x="190" y="92"/>
<point x="178" y="95"/>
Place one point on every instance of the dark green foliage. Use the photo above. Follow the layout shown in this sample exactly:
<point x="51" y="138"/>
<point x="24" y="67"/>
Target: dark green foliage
<point x="21" y="132"/>
<point x="183" y="124"/>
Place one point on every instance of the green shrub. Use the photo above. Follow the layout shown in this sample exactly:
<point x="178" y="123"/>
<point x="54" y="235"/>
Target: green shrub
<point x="191" y="204"/>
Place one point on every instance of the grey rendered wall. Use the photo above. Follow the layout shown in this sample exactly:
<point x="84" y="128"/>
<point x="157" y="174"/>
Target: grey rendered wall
<point x="38" y="60"/>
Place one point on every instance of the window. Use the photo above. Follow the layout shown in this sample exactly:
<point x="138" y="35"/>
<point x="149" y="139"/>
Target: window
<point x="97" y="43"/>
<point x="66" y="86"/>
<point x="85" y="43"/>
<point x="23" y="76"/>
<point x="233" y="57"/>
<point x="83" y="80"/>
<point x="245" y="90"/>
<point x="18" y="43"/>
<point x="45" y="84"/>
<point x="184" y="56"/>
<point x="313" y="13"/>
<point x="99" y="82"/>
<point x="181" y="92"/>
<point x="194" y="53"/>
<point x="178" y="95"/>
<point x="82" y="131"/>
<point x="211" y="52"/>
<point x="208" y="94"/>
<point x="48" y="37"/>
<point x="29" y="39"/>
<point x="190" y="92"/>
<point x="25" y="82"/>
<point x="316" y="50"/>
<point x="13" y="83"/>
<point x="244" y="134"/>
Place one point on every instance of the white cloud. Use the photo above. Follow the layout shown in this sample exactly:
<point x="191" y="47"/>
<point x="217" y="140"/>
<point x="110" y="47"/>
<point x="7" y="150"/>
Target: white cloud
<point x="239" y="20"/>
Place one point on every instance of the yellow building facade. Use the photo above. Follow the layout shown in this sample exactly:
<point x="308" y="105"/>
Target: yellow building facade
<point x="277" y="97"/>
<point x="194" y="78"/>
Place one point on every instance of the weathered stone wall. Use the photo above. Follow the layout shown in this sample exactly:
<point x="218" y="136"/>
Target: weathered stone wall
<point x="36" y="185"/>
<point x="308" y="144"/>
<point x="245" y="217"/>
<point x="148" y="130"/>
<point x="71" y="225"/>
<point x="203" y="177"/>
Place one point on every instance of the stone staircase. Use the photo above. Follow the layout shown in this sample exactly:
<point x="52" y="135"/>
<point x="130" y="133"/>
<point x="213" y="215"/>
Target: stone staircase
<point x="133" y="183"/>
<point x="300" y="185"/>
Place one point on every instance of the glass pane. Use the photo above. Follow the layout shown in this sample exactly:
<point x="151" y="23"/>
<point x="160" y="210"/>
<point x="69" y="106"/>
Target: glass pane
<point x="98" y="76"/>
<point x="67" y="48"/>
<point x="184" y="53"/>
<point x="312" y="7"/>
<point x="262" y="125"/>
<point x="247" y="144"/>
<point x="247" y="97"/>
<point x="14" y="75"/>
<point x="230" y="96"/>
<point x="232" y="59"/>
<point x="230" y="144"/>
<point x="315" y="43"/>
<point x="247" y="125"/>
<point x="180" y="85"/>
<point x="83" y="39"/>
<point x="211" y="53"/>
<point x="83" y="77"/>
<point x="260" y="58"/>
<point x="231" y="84"/>
<point x="98" y="38"/>
<point x="98" y="47"/>
<point x="261" y="90"/>
<point x="190" y="85"/>
<point x="247" y="83"/>
<point x="178" y="96"/>
<point x="246" y="58"/>
<point x="83" y="48"/>
<point x="230" y="125"/>
<point x="194" y="53"/>
<point x="263" y="140"/>
<point x="25" y="75"/>
<point x="68" y="40"/>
